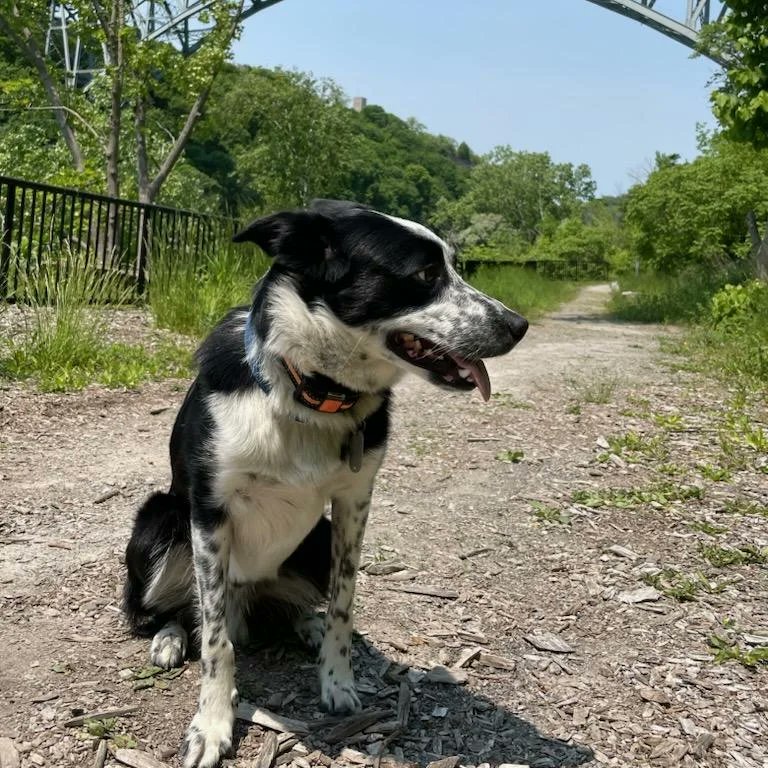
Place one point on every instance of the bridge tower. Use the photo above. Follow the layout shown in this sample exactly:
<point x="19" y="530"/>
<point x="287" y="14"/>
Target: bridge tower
<point x="182" y="23"/>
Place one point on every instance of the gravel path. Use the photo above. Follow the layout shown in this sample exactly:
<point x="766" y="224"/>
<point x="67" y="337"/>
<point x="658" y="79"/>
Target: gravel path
<point x="537" y="547"/>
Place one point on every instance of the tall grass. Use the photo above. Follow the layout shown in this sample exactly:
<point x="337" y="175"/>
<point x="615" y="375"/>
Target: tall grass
<point x="523" y="290"/>
<point x="726" y="315"/>
<point x="63" y="344"/>
<point x="659" y="298"/>
<point x="190" y="298"/>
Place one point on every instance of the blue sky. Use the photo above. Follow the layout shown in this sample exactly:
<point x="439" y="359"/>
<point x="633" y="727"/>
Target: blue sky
<point x="562" y="76"/>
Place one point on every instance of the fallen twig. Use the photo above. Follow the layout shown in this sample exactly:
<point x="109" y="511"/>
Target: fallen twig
<point x="100" y="715"/>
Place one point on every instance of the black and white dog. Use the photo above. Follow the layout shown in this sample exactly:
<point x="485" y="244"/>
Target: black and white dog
<point x="289" y="412"/>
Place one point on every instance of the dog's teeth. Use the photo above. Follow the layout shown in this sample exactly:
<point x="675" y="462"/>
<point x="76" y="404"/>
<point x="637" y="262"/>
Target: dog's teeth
<point x="464" y="373"/>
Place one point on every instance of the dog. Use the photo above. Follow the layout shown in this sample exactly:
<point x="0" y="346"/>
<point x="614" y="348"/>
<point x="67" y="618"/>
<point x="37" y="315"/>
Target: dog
<point x="290" y="412"/>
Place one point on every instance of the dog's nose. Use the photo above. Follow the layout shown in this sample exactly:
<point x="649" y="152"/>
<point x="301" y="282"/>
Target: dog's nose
<point x="517" y="324"/>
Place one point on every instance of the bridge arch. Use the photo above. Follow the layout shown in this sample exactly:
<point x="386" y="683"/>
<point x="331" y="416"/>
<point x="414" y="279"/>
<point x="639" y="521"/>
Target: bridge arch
<point x="182" y="23"/>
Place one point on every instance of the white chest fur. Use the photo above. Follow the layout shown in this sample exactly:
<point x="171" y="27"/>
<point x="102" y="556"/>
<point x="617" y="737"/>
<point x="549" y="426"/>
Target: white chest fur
<point x="274" y="477"/>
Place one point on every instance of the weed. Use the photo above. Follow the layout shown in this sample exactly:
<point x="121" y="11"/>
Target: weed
<point x="106" y="728"/>
<point x="549" y="514"/>
<point x="510" y="456"/>
<point x="508" y="400"/>
<point x="722" y="557"/>
<point x="671" y="469"/>
<point x="574" y="409"/>
<point x="191" y="298"/>
<point x="63" y="346"/>
<point x="633" y="445"/>
<point x="597" y="388"/>
<point x="726" y="650"/>
<point x="661" y="494"/>
<point x="524" y="290"/>
<point x="709" y="528"/>
<point x="714" y="473"/>
<point x="744" y="507"/>
<point x="672" y="422"/>
<point x="682" y="587"/>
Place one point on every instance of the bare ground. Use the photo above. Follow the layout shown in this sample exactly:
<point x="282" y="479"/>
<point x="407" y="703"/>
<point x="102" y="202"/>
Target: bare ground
<point x="637" y="684"/>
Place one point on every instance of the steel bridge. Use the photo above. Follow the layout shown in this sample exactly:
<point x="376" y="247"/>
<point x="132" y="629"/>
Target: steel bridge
<point x="184" y="24"/>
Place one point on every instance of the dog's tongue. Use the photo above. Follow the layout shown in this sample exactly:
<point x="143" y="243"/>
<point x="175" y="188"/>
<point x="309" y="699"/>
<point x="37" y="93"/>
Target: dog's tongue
<point x="479" y="374"/>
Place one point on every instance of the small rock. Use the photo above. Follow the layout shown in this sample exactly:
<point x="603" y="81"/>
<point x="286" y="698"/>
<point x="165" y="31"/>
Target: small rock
<point x="36" y="758"/>
<point x="9" y="755"/>
<point x="642" y="595"/>
<point x="654" y="695"/>
<point x="547" y="641"/>
<point x="703" y="742"/>
<point x="447" y="676"/>
<point x="620" y="551"/>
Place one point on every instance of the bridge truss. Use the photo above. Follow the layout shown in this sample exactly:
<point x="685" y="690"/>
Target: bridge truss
<point x="684" y="26"/>
<point x="183" y="23"/>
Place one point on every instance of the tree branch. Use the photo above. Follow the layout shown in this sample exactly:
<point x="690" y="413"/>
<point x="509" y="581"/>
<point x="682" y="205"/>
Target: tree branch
<point x="178" y="146"/>
<point x="34" y="56"/>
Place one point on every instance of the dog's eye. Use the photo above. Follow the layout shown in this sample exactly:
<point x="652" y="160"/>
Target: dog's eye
<point x="430" y="274"/>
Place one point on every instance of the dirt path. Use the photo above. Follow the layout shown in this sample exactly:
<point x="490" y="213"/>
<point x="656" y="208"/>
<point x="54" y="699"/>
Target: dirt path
<point x="587" y="503"/>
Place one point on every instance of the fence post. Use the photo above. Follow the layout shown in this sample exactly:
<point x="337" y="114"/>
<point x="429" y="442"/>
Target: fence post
<point x="7" y="242"/>
<point x="141" y="251"/>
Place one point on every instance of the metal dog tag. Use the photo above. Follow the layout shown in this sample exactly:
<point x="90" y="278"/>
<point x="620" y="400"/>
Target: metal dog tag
<point x="356" y="445"/>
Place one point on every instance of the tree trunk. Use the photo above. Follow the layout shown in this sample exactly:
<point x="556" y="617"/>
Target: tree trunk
<point x="35" y="57"/>
<point x="113" y="30"/>
<point x="759" y="247"/>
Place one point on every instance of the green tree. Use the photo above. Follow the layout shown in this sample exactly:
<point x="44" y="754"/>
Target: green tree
<point x="740" y="103"/>
<point x="126" y="114"/>
<point x="693" y="213"/>
<point x="527" y="189"/>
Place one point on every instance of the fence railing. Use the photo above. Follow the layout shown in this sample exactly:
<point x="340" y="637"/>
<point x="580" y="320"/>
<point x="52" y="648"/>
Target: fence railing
<point x="42" y="225"/>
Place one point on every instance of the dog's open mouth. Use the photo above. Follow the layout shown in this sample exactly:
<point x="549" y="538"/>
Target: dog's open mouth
<point x="452" y="369"/>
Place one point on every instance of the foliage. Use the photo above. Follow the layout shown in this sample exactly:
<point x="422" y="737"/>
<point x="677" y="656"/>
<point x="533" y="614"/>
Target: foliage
<point x="694" y="213"/>
<point x="660" y="494"/>
<point x="663" y="298"/>
<point x="63" y="346"/>
<point x="147" y="92"/>
<point x="521" y="289"/>
<point x="731" y="339"/>
<point x="191" y="298"/>
<point x="526" y="189"/>
<point x="740" y="103"/>
<point x="273" y="139"/>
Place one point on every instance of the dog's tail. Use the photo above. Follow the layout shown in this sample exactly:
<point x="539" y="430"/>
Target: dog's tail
<point x="160" y="580"/>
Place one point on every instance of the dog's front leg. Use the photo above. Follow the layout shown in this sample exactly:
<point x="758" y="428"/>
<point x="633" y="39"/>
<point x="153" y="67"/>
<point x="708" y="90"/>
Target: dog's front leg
<point x="337" y="682"/>
<point x="209" y="735"/>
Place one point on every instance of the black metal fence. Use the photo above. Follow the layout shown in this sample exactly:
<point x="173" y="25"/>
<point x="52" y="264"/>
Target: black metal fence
<point x="43" y="225"/>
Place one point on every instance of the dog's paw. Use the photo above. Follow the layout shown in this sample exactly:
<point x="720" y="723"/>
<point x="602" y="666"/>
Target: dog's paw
<point x="338" y="696"/>
<point x="208" y="739"/>
<point x="310" y="629"/>
<point x="169" y="646"/>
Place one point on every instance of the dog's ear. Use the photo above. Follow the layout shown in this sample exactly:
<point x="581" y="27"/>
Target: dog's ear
<point x="296" y="237"/>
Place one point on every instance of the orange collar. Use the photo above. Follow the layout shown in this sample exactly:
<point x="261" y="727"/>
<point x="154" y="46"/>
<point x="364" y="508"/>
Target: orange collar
<point x="320" y="393"/>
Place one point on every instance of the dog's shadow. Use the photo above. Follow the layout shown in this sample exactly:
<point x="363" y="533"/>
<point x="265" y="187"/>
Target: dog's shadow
<point x="441" y="719"/>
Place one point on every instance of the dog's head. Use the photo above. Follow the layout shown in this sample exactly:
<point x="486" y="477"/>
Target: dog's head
<point x="358" y="295"/>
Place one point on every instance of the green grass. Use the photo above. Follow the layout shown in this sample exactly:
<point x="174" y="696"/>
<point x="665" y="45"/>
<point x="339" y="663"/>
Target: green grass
<point x="744" y="507"/>
<point x="722" y="557"/>
<point x="549" y="514"/>
<point x="728" y="334"/>
<point x="633" y="447"/>
<point x="597" y="387"/>
<point x="661" y="494"/>
<point x="662" y="298"/>
<point x="726" y="650"/>
<point x="64" y="345"/>
<point x="683" y="587"/>
<point x="523" y="290"/>
<point x="191" y="299"/>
